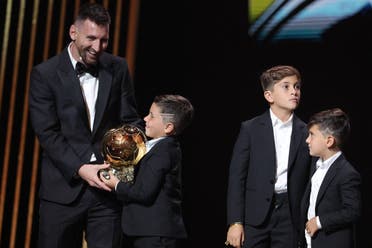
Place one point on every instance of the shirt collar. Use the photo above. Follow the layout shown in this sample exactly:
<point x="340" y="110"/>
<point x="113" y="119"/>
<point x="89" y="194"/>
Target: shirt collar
<point x="276" y="121"/>
<point x="152" y="142"/>
<point x="327" y="163"/>
<point x="73" y="61"/>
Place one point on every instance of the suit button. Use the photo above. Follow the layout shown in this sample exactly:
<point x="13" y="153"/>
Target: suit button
<point x="267" y="199"/>
<point x="272" y="181"/>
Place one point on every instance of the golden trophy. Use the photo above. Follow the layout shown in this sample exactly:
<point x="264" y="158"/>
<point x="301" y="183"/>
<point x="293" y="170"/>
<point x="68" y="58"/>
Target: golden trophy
<point x="123" y="148"/>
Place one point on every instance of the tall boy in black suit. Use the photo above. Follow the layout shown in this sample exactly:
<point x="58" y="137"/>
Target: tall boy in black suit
<point x="269" y="168"/>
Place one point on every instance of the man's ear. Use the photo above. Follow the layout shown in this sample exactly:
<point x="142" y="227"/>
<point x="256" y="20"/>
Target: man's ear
<point x="73" y="32"/>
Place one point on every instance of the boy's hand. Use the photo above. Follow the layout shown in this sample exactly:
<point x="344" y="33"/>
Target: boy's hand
<point x="111" y="181"/>
<point x="311" y="226"/>
<point x="235" y="235"/>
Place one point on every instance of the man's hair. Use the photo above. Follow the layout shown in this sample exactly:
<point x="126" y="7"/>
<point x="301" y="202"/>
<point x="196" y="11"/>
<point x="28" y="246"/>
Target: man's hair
<point x="94" y="12"/>
<point x="175" y="109"/>
<point x="333" y="122"/>
<point x="274" y="74"/>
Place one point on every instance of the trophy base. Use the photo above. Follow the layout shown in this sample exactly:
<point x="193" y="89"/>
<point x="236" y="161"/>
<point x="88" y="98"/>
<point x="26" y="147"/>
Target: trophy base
<point x="124" y="174"/>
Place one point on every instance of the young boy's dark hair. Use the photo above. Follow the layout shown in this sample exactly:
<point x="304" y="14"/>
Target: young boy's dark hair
<point x="333" y="122"/>
<point x="176" y="109"/>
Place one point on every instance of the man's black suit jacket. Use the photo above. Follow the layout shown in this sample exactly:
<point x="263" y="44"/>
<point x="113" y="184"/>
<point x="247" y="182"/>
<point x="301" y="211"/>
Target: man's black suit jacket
<point x="60" y="121"/>
<point x="152" y="205"/>
<point x="253" y="170"/>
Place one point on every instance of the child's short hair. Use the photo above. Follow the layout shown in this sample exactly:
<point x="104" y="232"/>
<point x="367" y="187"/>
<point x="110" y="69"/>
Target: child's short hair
<point x="333" y="122"/>
<point x="274" y="74"/>
<point x="175" y="109"/>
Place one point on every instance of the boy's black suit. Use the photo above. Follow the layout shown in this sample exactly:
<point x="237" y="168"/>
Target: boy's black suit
<point x="152" y="205"/>
<point x="338" y="205"/>
<point x="253" y="170"/>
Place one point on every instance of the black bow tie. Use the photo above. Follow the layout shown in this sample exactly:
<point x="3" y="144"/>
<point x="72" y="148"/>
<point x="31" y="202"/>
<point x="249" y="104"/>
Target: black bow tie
<point x="81" y="68"/>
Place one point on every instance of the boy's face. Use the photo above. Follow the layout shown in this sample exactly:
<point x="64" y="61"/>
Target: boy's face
<point x="155" y="127"/>
<point x="285" y="94"/>
<point x="318" y="143"/>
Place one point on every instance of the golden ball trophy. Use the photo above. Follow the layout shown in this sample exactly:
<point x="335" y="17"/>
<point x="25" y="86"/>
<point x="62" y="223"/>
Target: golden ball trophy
<point x="123" y="148"/>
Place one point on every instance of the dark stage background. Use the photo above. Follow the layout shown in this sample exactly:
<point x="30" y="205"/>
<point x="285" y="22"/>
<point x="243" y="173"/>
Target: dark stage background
<point x="202" y="50"/>
<point x="208" y="56"/>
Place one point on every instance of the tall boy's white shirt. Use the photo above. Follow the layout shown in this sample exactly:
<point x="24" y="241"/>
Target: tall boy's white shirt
<point x="282" y="137"/>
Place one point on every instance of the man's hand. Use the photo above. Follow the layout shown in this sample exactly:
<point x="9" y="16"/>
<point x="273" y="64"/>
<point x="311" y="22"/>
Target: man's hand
<point x="89" y="173"/>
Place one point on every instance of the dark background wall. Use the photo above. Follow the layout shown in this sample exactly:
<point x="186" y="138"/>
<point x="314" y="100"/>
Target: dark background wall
<point x="205" y="53"/>
<point x="201" y="49"/>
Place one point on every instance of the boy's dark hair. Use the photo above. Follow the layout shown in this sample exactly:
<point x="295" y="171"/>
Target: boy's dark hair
<point x="175" y="109"/>
<point x="94" y="12"/>
<point x="333" y="122"/>
<point x="274" y="74"/>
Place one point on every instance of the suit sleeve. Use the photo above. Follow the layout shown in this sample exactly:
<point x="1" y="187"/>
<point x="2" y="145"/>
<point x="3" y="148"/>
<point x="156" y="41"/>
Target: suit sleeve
<point x="237" y="177"/>
<point x="46" y="124"/>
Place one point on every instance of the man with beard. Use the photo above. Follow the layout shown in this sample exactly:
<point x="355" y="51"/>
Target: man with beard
<point x="75" y="97"/>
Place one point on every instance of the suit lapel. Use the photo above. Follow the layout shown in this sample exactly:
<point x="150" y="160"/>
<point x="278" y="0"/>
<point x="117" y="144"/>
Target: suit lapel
<point x="105" y="81"/>
<point x="306" y="197"/>
<point x="71" y="82"/>
<point x="267" y="133"/>
<point x="296" y="138"/>
<point x="154" y="149"/>
<point x="331" y="173"/>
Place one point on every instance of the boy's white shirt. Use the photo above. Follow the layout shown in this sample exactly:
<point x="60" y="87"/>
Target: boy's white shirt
<point x="282" y="139"/>
<point x="322" y="168"/>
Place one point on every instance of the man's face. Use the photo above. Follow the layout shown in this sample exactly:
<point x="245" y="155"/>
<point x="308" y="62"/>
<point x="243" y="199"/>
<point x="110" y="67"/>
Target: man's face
<point x="89" y="41"/>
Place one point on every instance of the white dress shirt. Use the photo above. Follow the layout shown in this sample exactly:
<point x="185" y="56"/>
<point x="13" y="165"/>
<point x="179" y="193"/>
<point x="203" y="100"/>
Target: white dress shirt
<point x="89" y="87"/>
<point x="282" y="137"/>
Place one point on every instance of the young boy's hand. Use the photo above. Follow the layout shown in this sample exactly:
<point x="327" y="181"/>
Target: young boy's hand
<point x="311" y="226"/>
<point x="110" y="181"/>
<point x="235" y="235"/>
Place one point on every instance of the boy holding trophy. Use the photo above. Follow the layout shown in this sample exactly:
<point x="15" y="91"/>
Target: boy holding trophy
<point x="152" y="215"/>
